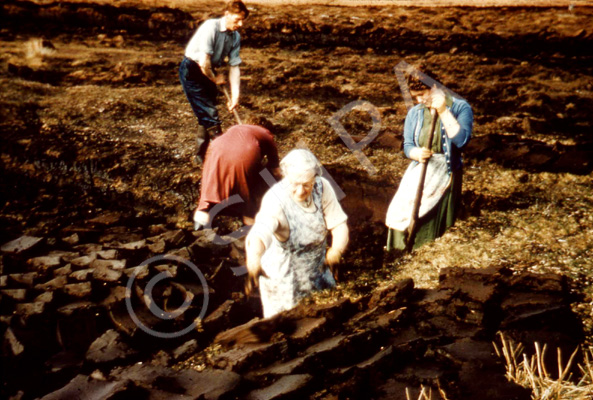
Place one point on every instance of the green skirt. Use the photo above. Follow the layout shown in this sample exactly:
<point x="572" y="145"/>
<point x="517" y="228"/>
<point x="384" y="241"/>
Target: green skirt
<point x="436" y="222"/>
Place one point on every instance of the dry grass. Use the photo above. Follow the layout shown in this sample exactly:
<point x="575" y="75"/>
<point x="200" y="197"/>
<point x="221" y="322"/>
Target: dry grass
<point x="531" y="373"/>
<point x="426" y="393"/>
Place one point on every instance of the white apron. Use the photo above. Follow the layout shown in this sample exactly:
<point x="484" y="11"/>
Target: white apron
<point x="295" y="268"/>
<point x="436" y="183"/>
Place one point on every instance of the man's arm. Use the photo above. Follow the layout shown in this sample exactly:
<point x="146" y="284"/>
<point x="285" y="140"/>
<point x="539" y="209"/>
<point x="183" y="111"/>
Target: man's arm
<point x="235" y="80"/>
<point x="205" y="64"/>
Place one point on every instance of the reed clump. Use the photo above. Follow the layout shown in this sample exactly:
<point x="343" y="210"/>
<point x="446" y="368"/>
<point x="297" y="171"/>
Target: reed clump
<point x="531" y="372"/>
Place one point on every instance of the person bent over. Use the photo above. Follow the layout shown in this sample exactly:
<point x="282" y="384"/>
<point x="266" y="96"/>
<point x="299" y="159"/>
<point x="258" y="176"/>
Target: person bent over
<point x="231" y="171"/>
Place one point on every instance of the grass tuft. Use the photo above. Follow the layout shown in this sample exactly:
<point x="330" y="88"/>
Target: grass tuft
<point x="531" y="373"/>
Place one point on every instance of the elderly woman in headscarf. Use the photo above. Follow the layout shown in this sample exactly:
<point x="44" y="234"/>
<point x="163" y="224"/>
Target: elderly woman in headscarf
<point x="441" y="196"/>
<point x="286" y="248"/>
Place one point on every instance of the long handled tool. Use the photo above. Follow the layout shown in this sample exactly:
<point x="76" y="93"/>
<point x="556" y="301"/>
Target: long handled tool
<point x="418" y="199"/>
<point x="228" y="97"/>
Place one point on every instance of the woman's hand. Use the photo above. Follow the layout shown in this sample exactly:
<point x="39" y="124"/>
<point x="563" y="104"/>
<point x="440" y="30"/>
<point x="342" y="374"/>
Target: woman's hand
<point x="220" y="79"/>
<point x="333" y="256"/>
<point x="254" y="272"/>
<point x="420" y="154"/>
<point x="254" y="249"/>
<point x="437" y="100"/>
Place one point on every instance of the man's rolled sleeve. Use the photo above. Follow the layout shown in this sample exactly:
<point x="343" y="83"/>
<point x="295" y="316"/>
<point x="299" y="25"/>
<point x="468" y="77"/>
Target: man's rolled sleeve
<point x="202" y="41"/>
<point x="234" y="57"/>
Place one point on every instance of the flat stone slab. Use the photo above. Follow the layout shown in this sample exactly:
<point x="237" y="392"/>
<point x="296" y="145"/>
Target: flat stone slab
<point x="219" y="317"/>
<point x="65" y="270"/>
<point x="71" y="239"/>
<point x="87" y="388"/>
<point x="136" y="245"/>
<point x="388" y="319"/>
<point x="116" y="265"/>
<point x="82" y="275"/>
<point x="111" y="254"/>
<point x="286" y="386"/>
<point x="471" y="350"/>
<point x="71" y="308"/>
<point x="138" y="272"/>
<point x="83" y="261"/>
<point x="56" y="283"/>
<point x="174" y="238"/>
<point x="66" y="256"/>
<point x="106" y="274"/>
<point x="30" y="309"/>
<point x="26" y="279"/>
<point x="45" y="297"/>
<point x="11" y="345"/>
<point x="392" y="293"/>
<point x="327" y="345"/>
<point x="116" y="295"/>
<point x="107" y="218"/>
<point x="45" y="263"/>
<point x="539" y="282"/>
<point x="210" y="384"/>
<point x="157" y="247"/>
<point x="109" y="347"/>
<point x="281" y="368"/>
<point x="376" y="359"/>
<point x="247" y="355"/>
<point x="21" y="244"/>
<point x="373" y="363"/>
<point x="305" y="327"/>
<point x="186" y="349"/>
<point x="89" y="248"/>
<point x="78" y="290"/>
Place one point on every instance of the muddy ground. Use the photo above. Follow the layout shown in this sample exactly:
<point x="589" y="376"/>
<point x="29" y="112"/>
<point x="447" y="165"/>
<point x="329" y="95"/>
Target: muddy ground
<point x="98" y="138"/>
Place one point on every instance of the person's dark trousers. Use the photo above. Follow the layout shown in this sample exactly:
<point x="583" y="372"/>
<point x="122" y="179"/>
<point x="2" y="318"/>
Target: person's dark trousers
<point x="203" y="139"/>
<point x="201" y="93"/>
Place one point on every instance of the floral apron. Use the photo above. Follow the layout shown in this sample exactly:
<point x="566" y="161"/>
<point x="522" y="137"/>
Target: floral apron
<point x="295" y="268"/>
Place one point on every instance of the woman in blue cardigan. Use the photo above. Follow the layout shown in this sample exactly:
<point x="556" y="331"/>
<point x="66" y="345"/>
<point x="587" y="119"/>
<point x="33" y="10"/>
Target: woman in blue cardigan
<point x="442" y="191"/>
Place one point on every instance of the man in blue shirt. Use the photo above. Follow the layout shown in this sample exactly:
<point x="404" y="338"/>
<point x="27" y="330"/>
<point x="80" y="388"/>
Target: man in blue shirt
<point x="214" y="41"/>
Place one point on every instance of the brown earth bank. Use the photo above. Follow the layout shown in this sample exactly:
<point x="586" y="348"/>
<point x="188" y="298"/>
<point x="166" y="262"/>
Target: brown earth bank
<point x="98" y="186"/>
